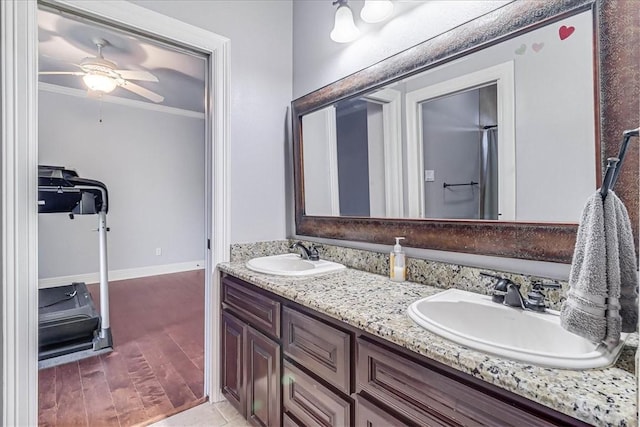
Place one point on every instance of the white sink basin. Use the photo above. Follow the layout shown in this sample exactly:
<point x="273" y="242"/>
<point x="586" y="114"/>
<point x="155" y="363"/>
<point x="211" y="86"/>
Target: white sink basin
<point x="291" y="265"/>
<point x="474" y="321"/>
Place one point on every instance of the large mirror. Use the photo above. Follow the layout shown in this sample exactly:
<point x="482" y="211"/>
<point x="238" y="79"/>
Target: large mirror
<point x="486" y="139"/>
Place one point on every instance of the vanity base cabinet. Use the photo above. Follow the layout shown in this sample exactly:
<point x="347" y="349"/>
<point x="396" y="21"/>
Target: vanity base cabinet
<point x="318" y="371"/>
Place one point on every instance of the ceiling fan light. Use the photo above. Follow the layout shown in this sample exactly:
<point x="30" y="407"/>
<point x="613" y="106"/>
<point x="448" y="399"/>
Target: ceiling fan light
<point x="376" y="10"/>
<point x="99" y="83"/>
<point x="344" y="29"/>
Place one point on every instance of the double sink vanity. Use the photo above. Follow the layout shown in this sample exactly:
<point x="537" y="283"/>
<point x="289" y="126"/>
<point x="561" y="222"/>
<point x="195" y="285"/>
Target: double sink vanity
<point x="350" y="347"/>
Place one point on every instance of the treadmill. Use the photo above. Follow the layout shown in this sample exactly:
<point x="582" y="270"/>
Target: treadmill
<point x="69" y="327"/>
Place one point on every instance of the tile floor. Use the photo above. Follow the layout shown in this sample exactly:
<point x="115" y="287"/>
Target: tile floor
<point x="206" y="415"/>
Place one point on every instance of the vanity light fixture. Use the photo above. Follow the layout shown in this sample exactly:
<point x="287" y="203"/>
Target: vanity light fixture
<point x="99" y="82"/>
<point x="375" y="11"/>
<point x="344" y="29"/>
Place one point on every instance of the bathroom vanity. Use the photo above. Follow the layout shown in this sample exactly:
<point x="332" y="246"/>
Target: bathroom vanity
<point x="339" y="349"/>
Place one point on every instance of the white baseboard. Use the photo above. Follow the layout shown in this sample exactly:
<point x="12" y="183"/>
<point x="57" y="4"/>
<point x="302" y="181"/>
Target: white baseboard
<point x="129" y="273"/>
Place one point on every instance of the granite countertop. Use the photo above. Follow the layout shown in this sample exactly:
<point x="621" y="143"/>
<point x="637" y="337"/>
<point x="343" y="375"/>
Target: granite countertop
<point x="375" y="304"/>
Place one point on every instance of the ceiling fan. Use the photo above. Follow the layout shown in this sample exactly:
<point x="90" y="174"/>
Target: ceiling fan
<point x="101" y="76"/>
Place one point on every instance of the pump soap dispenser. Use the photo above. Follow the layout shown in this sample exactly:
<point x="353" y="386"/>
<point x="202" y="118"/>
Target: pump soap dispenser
<point x="397" y="263"/>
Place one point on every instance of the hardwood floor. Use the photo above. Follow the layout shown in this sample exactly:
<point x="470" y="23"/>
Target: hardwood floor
<point x="156" y="368"/>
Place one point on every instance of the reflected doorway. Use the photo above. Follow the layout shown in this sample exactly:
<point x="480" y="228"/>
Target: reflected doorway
<point x="461" y="155"/>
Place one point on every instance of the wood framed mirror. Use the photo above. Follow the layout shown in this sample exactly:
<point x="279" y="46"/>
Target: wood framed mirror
<point x="614" y="90"/>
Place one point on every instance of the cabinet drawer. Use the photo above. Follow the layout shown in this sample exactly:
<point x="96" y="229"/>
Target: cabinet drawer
<point x="257" y="309"/>
<point x="370" y="415"/>
<point x="312" y="403"/>
<point x="319" y="347"/>
<point x="429" y="397"/>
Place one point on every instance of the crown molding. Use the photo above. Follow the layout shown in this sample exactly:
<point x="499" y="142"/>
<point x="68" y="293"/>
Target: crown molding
<point x="110" y="99"/>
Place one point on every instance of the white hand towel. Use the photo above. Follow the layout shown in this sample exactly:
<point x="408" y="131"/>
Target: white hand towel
<point x="602" y="299"/>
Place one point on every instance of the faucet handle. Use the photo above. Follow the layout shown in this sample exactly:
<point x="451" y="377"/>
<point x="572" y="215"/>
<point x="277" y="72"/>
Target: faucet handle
<point x="536" y="298"/>
<point x="539" y="284"/>
<point x="314" y="255"/>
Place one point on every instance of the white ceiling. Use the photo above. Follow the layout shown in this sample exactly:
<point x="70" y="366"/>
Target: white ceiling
<point x="65" y="40"/>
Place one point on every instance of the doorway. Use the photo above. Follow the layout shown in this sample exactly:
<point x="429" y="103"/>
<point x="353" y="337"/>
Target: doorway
<point x="128" y="111"/>
<point x="19" y="32"/>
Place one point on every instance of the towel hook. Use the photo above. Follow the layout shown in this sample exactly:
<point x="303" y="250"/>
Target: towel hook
<point x="615" y="163"/>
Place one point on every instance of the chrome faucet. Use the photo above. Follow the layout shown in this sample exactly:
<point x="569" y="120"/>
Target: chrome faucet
<point x="307" y="253"/>
<point x="512" y="296"/>
<point x="508" y="293"/>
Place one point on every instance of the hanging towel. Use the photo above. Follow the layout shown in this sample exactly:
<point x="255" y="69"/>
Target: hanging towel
<point x="602" y="299"/>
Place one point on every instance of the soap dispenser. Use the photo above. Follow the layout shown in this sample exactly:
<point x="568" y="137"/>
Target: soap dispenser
<point x="397" y="263"/>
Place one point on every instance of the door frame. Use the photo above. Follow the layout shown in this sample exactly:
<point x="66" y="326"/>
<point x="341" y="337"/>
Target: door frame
<point x="391" y="101"/>
<point x="18" y="173"/>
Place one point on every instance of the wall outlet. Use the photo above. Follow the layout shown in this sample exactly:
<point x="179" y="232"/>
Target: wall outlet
<point x="158" y="251"/>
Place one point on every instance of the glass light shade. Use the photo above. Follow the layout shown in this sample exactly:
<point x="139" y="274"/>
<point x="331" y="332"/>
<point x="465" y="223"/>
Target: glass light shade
<point x="344" y="29"/>
<point x="99" y="83"/>
<point x="376" y="10"/>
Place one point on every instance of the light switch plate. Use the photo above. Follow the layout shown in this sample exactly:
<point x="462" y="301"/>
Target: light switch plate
<point x="429" y="175"/>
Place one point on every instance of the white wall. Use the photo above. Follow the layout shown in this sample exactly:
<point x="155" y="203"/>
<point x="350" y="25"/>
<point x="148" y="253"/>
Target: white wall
<point x="261" y="75"/>
<point x="318" y="60"/>
<point x="153" y="166"/>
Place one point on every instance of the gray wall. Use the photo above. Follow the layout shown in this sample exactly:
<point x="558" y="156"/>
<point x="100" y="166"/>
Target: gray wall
<point x="260" y="92"/>
<point x="153" y="166"/>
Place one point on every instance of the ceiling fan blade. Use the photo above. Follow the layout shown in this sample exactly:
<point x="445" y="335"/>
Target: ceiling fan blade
<point x="69" y="73"/>
<point x="145" y="93"/>
<point x="137" y="75"/>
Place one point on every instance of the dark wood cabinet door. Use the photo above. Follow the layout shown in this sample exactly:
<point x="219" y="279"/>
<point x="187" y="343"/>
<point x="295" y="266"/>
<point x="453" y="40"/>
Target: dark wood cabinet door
<point x="232" y="364"/>
<point x="370" y="415"/>
<point x="262" y="376"/>
<point x="311" y="402"/>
